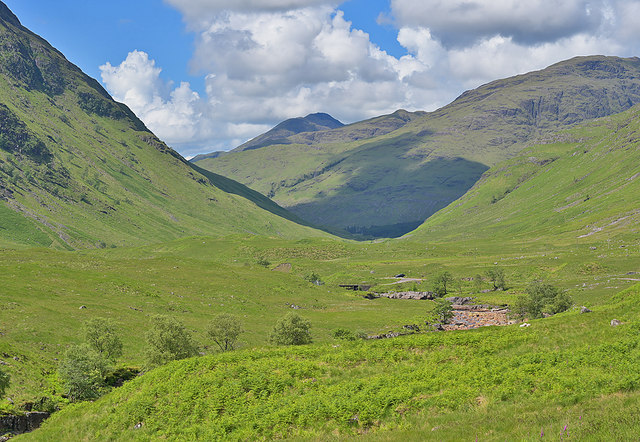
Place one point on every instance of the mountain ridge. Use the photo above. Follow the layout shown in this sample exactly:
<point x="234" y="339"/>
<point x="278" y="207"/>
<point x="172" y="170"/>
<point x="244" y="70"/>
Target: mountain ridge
<point x="81" y="170"/>
<point x="380" y="179"/>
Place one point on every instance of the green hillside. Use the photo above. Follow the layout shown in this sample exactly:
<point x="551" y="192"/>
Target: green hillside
<point x="495" y="383"/>
<point x="385" y="176"/>
<point x="79" y="170"/>
<point x="578" y="184"/>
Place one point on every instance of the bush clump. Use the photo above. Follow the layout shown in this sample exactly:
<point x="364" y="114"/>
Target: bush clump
<point x="541" y="298"/>
<point x="291" y="330"/>
<point x="101" y="335"/>
<point x="83" y="371"/>
<point x="168" y="340"/>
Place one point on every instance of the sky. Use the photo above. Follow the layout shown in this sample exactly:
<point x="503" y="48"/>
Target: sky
<point x="207" y="75"/>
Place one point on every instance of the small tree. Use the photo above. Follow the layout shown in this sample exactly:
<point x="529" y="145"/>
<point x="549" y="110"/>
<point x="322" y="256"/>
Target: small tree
<point x="442" y="281"/>
<point x="542" y="298"/>
<point x="4" y="382"/>
<point x="291" y="330"/>
<point x="496" y="276"/>
<point x="100" y="334"/>
<point x="83" y="371"/>
<point x="168" y="340"/>
<point x="224" y="330"/>
<point x="477" y="283"/>
<point x="443" y="311"/>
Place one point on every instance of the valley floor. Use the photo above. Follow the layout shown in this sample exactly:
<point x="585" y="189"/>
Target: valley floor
<point x="494" y="382"/>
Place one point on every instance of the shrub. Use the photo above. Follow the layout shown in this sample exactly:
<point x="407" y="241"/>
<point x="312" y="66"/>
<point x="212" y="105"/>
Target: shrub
<point x="224" y="330"/>
<point x="443" y="311"/>
<point x="83" y="371"/>
<point x="542" y="298"/>
<point x="291" y="330"/>
<point x="344" y="334"/>
<point x="100" y="334"/>
<point x="314" y="278"/>
<point x="264" y="262"/>
<point x="441" y="282"/>
<point x="477" y="283"/>
<point x="4" y="382"/>
<point x="168" y="340"/>
<point x="496" y="276"/>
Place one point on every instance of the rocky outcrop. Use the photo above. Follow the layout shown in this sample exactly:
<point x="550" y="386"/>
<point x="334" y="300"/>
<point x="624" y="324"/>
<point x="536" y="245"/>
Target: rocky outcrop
<point x="408" y="295"/>
<point x="18" y="424"/>
<point x="459" y="300"/>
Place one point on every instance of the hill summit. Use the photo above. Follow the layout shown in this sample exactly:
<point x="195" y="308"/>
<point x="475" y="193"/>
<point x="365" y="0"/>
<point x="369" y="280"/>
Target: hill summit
<point x="293" y="126"/>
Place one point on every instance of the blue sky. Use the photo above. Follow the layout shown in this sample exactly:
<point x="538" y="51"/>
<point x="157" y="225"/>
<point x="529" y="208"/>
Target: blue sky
<point x="209" y="74"/>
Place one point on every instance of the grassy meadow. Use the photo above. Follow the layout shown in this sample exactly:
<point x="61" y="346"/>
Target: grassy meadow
<point x="397" y="387"/>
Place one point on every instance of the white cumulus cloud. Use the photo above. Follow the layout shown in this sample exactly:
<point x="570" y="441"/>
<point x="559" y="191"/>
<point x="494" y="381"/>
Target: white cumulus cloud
<point x="267" y="60"/>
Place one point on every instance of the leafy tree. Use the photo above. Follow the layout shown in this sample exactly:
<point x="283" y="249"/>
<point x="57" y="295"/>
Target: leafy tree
<point x="4" y="382"/>
<point x="542" y="298"/>
<point x="442" y="281"/>
<point x="443" y="311"/>
<point x="168" y="340"/>
<point x="100" y="334"/>
<point x="477" y="283"/>
<point x="224" y="330"/>
<point x="83" y="371"/>
<point x="291" y="330"/>
<point x="496" y="276"/>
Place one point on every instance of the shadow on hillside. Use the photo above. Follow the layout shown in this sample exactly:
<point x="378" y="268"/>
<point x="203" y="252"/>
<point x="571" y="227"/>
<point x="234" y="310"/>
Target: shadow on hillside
<point x="386" y="198"/>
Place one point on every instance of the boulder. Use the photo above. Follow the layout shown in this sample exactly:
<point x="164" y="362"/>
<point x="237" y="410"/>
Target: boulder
<point x="615" y="322"/>
<point x="583" y="309"/>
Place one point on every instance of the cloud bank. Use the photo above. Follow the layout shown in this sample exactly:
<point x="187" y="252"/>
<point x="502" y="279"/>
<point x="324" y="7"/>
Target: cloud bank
<point x="267" y="60"/>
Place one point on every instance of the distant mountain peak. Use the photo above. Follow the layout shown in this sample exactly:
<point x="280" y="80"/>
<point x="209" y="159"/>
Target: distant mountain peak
<point x="278" y="135"/>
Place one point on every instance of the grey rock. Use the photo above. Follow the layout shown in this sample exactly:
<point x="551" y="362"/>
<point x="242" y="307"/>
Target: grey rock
<point x="18" y="424"/>
<point x="459" y="300"/>
<point x="615" y="322"/>
<point x="583" y="309"/>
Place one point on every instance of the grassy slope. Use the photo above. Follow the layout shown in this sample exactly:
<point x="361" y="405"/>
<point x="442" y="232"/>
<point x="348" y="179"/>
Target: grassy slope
<point x="572" y="369"/>
<point x="83" y="171"/>
<point x="354" y="176"/>
<point x="195" y="278"/>
<point x="582" y="183"/>
<point x="426" y="386"/>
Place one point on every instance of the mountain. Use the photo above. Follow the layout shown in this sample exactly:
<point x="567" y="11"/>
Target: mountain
<point x="581" y="184"/>
<point x="293" y="126"/>
<point x="78" y="169"/>
<point x="385" y="176"/>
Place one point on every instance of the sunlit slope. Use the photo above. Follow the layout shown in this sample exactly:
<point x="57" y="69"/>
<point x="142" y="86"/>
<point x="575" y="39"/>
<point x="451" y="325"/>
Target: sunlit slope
<point x="563" y="372"/>
<point x="78" y="169"/>
<point x="395" y="171"/>
<point x="582" y="184"/>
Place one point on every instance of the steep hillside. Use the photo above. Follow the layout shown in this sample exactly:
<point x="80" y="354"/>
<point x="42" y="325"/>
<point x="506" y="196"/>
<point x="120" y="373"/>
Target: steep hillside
<point x="78" y="169"/>
<point x="580" y="184"/>
<point x="387" y="175"/>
